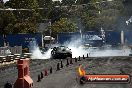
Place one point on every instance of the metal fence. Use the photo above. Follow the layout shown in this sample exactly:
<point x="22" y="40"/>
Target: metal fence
<point x="4" y="51"/>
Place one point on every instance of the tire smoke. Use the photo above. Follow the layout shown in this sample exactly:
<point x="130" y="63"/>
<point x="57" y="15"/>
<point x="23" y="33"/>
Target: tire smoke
<point x="36" y="52"/>
<point x="77" y="51"/>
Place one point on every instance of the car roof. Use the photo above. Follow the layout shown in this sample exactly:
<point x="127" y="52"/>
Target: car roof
<point x="62" y="46"/>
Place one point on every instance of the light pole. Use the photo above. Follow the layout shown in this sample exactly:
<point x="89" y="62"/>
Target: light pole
<point x="103" y="35"/>
<point x="102" y="31"/>
<point x="50" y="31"/>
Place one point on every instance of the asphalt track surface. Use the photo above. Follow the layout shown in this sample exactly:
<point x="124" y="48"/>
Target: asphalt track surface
<point x="68" y="76"/>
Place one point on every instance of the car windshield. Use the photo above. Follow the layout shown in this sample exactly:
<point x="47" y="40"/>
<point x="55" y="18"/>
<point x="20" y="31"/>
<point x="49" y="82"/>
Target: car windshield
<point x="62" y="47"/>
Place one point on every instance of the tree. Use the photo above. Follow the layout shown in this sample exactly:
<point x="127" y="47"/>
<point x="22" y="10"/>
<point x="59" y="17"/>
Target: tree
<point x="63" y="25"/>
<point x="103" y="14"/>
<point x="82" y="1"/>
<point x="56" y="3"/>
<point x="24" y="27"/>
<point x="26" y="19"/>
<point x="31" y="5"/>
<point x="45" y="3"/>
<point x="1" y="4"/>
<point x="57" y="13"/>
<point x="47" y="6"/>
<point x="26" y="4"/>
<point x="6" y="18"/>
<point x="68" y="2"/>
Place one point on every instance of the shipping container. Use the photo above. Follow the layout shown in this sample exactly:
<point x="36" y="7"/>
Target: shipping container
<point x="93" y="38"/>
<point x="113" y="37"/>
<point x="23" y="40"/>
<point x="67" y="37"/>
<point x="128" y="37"/>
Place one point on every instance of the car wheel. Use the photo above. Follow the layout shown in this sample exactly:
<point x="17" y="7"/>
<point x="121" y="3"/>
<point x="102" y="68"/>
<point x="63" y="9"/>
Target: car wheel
<point x="82" y="80"/>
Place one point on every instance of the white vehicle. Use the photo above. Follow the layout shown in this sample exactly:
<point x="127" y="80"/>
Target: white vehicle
<point x="7" y="52"/>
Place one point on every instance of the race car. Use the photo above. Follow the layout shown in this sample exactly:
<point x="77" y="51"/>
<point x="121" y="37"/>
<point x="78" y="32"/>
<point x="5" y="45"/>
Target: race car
<point x="61" y="52"/>
<point x="130" y="54"/>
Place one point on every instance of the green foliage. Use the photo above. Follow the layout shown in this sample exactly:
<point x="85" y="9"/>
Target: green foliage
<point x="82" y="1"/>
<point x="27" y="4"/>
<point x="7" y="18"/>
<point x="63" y="25"/>
<point x="92" y="16"/>
<point x="47" y="6"/>
<point x="1" y="4"/>
<point x="32" y="5"/>
<point x="68" y="2"/>
<point x="58" y="13"/>
<point x="103" y="14"/>
<point x="24" y="27"/>
<point x="45" y="3"/>
<point x="25" y="21"/>
<point x="56" y="3"/>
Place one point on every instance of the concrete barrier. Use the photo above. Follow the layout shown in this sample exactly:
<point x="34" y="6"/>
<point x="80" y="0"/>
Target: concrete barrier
<point x="4" y="51"/>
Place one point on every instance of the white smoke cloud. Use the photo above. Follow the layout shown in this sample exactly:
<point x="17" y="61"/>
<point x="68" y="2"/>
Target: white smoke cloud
<point x="77" y="51"/>
<point x="36" y="52"/>
<point x="129" y="21"/>
<point x="5" y="1"/>
<point x="95" y="37"/>
<point x="95" y="51"/>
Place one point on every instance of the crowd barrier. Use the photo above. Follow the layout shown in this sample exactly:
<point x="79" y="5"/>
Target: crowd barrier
<point x="4" y="51"/>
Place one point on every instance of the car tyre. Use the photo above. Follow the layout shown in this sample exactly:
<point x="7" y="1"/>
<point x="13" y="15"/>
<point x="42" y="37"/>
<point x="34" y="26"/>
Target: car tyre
<point x="82" y="80"/>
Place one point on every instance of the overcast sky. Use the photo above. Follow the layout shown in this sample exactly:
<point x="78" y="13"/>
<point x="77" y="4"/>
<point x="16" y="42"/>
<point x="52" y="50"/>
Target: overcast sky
<point x="52" y="0"/>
